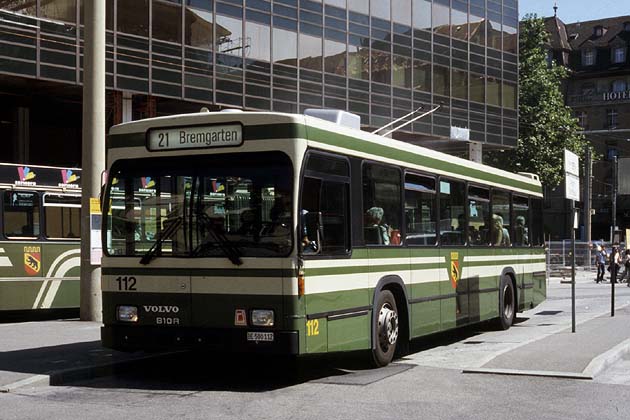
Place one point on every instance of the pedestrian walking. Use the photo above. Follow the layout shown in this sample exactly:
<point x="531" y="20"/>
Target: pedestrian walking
<point x="625" y="262"/>
<point x="615" y="263"/>
<point x="600" y="260"/>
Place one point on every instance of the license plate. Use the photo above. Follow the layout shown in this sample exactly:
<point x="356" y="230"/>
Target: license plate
<point x="259" y="336"/>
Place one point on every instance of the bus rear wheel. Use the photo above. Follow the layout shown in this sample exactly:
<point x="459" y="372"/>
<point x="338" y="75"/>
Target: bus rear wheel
<point x="507" y="303"/>
<point x="385" y="331"/>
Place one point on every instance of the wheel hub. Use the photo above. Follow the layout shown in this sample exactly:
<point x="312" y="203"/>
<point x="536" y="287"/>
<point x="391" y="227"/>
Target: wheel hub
<point x="387" y="327"/>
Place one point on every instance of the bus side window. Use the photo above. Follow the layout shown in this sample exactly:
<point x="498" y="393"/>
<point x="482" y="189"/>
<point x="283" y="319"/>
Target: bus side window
<point x="330" y="198"/>
<point x="21" y="214"/>
<point x="62" y="216"/>
<point x="382" y="207"/>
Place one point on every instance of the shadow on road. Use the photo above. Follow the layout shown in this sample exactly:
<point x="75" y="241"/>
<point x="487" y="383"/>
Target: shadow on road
<point x="206" y="371"/>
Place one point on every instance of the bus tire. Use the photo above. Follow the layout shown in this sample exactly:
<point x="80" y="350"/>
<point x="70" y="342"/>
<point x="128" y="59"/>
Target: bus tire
<point x="507" y="303"/>
<point x="385" y="331"/>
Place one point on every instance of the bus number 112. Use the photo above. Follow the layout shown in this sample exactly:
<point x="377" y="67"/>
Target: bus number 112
<point x="312" y="327"/>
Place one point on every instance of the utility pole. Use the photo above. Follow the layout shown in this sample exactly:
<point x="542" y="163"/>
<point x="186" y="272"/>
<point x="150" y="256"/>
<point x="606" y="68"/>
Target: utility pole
<point x="614" y="200"/>
<point x="588" y="185"/>
<point x="93" y="153"/>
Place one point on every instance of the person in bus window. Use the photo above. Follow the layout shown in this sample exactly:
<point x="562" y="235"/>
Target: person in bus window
<point x="521" y="234"/>
<point x="500" y="235"/>
<point x="374" y="219"/>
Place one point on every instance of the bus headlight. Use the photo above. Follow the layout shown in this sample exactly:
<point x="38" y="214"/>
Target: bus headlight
<point x="127" y="313"/>
<point x="262" y="317"/>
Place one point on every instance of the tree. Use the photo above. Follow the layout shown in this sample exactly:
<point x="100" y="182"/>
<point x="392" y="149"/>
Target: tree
<point x="546" y="124"/>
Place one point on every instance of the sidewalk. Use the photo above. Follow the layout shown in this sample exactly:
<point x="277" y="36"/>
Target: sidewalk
<point x="599" y="341"/>
<point x="55" y="352"/>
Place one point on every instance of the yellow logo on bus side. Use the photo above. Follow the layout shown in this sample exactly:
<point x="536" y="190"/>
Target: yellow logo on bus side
<point x="454" y="271"/>
<point x="32" y="260"/>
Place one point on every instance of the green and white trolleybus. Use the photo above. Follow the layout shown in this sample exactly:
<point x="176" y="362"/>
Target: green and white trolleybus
<point x="270" y="232"/>
<point x="39" y="241"/>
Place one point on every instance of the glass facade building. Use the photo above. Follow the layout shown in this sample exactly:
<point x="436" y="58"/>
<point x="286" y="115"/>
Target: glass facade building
<point x="380" y="59"/>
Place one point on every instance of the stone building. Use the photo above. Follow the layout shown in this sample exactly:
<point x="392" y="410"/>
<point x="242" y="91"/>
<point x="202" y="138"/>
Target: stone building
<point x="598" y="90"/>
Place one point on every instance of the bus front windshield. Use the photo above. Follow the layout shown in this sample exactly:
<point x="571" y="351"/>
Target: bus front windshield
<point x="236" y="205"/>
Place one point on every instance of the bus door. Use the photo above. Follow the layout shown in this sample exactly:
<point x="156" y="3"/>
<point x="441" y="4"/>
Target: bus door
<point x="421" y="239"/>
<point x="454" y="285"/>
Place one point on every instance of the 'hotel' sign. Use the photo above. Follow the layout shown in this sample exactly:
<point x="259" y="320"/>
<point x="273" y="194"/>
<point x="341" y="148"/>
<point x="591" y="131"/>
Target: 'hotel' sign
<point x="616" y="96"/>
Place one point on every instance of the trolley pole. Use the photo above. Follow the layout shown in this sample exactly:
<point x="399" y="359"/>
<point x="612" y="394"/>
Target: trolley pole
<point x="93" y="153"/>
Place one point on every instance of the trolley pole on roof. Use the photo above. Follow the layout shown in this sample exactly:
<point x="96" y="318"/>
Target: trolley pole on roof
<point x="93" y="156"/>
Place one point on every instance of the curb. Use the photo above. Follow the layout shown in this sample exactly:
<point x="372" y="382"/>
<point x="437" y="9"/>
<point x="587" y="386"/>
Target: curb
<point x="538" y="373"/>
<point x="66" y="376"/>
<point x="607" y="359"/>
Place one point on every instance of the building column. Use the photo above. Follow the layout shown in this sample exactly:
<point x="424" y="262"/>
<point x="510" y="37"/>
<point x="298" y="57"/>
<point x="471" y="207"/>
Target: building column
<point x="475" y="150"/>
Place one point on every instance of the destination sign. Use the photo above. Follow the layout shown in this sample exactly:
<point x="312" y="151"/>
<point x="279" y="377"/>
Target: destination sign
<point x="195" y="137"/>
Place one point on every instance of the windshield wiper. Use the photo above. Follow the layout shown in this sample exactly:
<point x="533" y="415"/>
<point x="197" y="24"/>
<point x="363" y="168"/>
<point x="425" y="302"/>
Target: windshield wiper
<point x="218" y="237"/>
<point x="170" y="228"/>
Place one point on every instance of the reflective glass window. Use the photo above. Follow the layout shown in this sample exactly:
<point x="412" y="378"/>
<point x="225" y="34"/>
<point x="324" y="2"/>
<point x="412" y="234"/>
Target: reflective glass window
<point x="229" y="35"/>
<point x="493" y="93"/>
<point x="133" y="17"/>
<point x="167" y="21"/>
<point x="441" y="81"/>
<point x="441" y="19"/>
<point x="422" y="14"/>
<point x="401" y="72"/>
<point x="200" y="4"/>
<point x="401" y="11"/>
<point x="361" y="6"/>
<point x="510" y="39"/>
<point x="199" y="28"/>
<point x="358" y="62"/>
<point x="381" y="67"/>
<point x="381" y="8"/>
<point x="310" y="52"/>
<point x="421" y="76"/>
<point x="63" y="10"/>
<point x="477" y="88"/>
<point x="258" y="45"/>
<point x="477" y="29"/>
<point x="460" y="84"/>
<point x="335" y="57"/>
<point x="494" y="35"/>
<point x="284" y="47"/>
<point x="24" y="7"/>
<point x="459" y="22"/>
<point x="338" y="3"/>
<point x="509" y="95"/>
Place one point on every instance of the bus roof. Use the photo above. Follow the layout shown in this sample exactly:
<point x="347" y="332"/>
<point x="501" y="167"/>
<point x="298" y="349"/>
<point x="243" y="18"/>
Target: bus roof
<point x="330" y="136"/>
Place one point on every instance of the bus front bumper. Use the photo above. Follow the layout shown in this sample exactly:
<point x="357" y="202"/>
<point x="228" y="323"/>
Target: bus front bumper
<point x="132" y="338"/>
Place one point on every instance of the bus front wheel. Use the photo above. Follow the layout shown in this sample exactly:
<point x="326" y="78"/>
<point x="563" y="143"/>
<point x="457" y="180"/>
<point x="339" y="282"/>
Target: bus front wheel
<point x="507" y="306"/>
<point x="385" y="331"/>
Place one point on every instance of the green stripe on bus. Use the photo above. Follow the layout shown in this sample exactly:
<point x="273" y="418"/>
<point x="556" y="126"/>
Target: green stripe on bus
<point x="384" y="151"/>
<point x="218" y="272"/>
